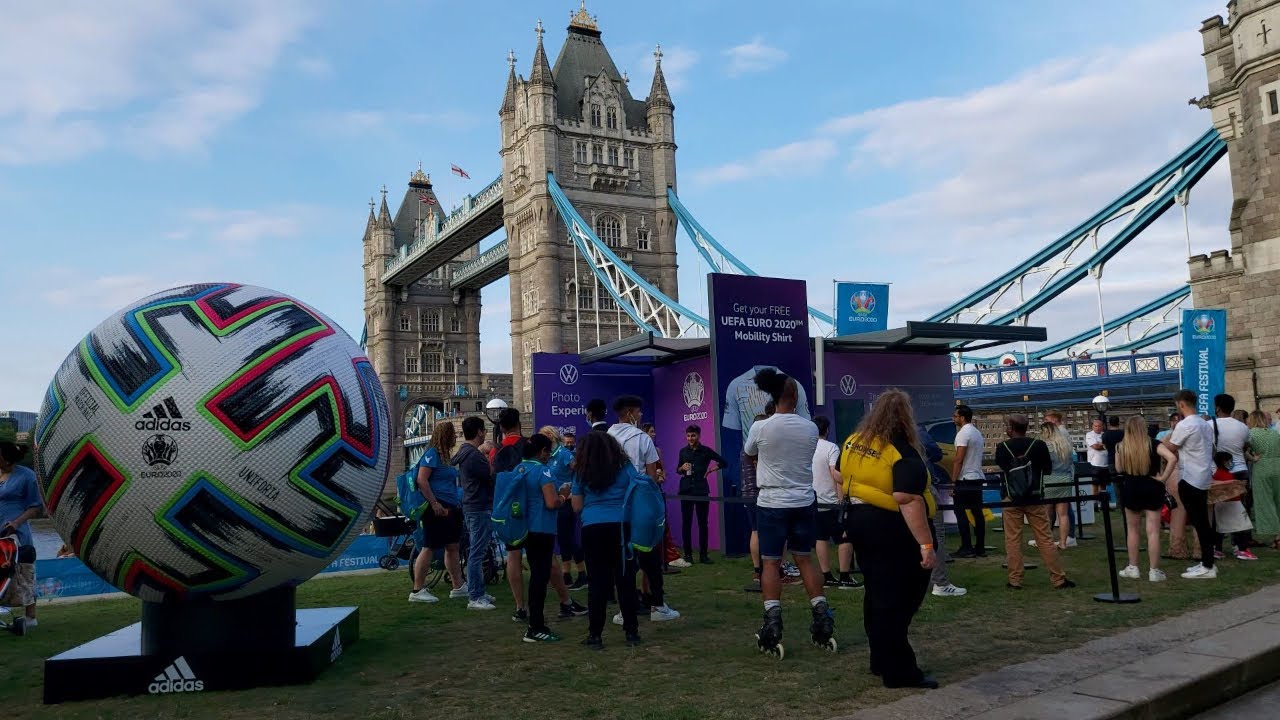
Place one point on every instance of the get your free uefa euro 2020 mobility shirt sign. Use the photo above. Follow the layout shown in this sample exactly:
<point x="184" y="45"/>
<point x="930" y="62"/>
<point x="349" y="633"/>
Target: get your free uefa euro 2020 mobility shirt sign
<point x="758" y="322"/>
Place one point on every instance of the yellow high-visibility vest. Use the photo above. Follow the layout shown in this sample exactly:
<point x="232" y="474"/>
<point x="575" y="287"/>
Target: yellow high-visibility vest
<point x="867" y="470"/>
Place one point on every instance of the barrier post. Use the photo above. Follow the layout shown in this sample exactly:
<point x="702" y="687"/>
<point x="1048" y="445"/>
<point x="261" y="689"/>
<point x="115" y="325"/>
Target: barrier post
<point x="1115" y="596"/>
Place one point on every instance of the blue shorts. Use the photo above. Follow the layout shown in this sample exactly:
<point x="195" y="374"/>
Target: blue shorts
<point x="751" y="515"/>
<point x="792" y="528"/>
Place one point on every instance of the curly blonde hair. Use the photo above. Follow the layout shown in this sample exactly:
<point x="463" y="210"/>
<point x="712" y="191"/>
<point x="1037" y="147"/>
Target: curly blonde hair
<point x="891" y="416"/>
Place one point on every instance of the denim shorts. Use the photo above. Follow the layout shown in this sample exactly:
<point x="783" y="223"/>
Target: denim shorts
<point x="792" y="528"/>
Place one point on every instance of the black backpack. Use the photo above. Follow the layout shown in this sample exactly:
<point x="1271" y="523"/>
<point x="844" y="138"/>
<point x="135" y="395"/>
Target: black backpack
<point x="1023" y="481"/>
<point x="509" y="456"/>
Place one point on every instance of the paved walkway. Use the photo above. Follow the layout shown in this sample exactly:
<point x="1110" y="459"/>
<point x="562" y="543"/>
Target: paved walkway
<point x="1172" y="669"/>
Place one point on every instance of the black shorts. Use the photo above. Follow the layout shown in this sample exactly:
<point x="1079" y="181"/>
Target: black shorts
<point x="442" y="530"/>
<point x="829" y="523"/>
<point x="1140" y="493"/>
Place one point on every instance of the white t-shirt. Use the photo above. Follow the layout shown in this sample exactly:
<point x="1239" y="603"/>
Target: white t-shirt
<point x="636" y="443"/>
<point x="970" y="438"/>
<point x="1097" y="458"/>
<point x="1194" y="439"/>
<point x="784" y="449"/>
<point x="1233" y="435"/>
<point x="743" y="401"/>
<point x="825" y="457"/>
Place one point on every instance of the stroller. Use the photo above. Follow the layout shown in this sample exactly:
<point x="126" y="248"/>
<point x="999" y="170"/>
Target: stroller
<point x="400" y="532"/>
<point x="10" y="555"/>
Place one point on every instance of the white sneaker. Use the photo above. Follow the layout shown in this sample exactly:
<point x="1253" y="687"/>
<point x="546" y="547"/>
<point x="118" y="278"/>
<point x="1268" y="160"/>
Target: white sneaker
<point x="1200" y="572"/>
<point x="680" y="563"/>
<point x="1071" y="542"/>
<point x="617" y="619"/>
<point x="1156" y="575"/>
<point x="423" y="596"/>
<point x="458" y="593"/>
<point x="482" y="604"/>
<point x="663" y="613"/>
<point x="1131" y="572"/>
<point x="31" y="622"/>
<point x="1032" y="543"/>
<point x="948" y="590"/>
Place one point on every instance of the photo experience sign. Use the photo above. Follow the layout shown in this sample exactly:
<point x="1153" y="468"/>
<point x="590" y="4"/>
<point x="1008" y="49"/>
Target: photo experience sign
<point x="683" y="396"/>
<point x="861" y="307"/>
<point x="562" y="387"/>
<point x="756" y="322"/>
<point x="1204" y="355"/>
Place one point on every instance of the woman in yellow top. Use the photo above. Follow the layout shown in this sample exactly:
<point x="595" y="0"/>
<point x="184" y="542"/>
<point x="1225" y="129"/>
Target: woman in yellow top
<point x="887" y="514"/>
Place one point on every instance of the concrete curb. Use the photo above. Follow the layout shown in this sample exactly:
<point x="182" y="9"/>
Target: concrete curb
<point x="1173" y="669"/>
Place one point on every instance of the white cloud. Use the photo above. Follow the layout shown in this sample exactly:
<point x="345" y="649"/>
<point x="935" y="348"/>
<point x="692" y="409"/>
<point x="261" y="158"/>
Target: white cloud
<point x="72" y="287"/>
<point x="754" y="56"/>
<point x="804" y="157"/>
<point x="314" y="66"/>
<point x="241" y="231"/>
<point x="158" y="76"/>
<point x="677" y="64"/>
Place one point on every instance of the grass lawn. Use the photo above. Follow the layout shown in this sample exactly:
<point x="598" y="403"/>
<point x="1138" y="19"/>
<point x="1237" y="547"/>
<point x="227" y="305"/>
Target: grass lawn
<point x="441" y="660"/>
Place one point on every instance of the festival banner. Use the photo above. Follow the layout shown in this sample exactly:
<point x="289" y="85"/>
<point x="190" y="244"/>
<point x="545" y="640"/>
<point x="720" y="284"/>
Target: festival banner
<point x="861" y="307"/>
<point x="756" y="322"/>
<point x="1204" y="355"/>
<point x="683" y="396"/>
<point x="562" y="387"/>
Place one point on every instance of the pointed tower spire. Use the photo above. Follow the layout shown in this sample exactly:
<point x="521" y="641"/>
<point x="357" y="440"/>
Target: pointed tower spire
<point x="541" y="73"/>
<point x="369" y="226"/>
<point x="659" y="96"/>
<point x="384" y="214"/>
<point x="509" y="97"/>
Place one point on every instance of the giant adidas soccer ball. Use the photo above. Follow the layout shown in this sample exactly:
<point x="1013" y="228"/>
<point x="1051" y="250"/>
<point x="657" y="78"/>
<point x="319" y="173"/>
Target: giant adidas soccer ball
<point x="212" y="441"/>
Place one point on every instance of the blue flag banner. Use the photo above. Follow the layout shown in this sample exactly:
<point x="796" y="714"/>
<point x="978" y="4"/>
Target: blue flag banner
<point x="1204" y="355"/>
<point x="861" y="307"/>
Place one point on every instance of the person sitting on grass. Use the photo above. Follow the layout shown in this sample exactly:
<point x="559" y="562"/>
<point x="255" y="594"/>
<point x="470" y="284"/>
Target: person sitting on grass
<point x="1141" y="484"/>
<point x="1019" y="449"/>
<point x="1230" y="516"/>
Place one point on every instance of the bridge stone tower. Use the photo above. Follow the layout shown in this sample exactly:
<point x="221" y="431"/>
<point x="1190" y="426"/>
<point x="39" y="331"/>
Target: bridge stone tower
<point x="422" y="338"/>
<point x="614" y="156"/>
<point x="1242" y="56"/>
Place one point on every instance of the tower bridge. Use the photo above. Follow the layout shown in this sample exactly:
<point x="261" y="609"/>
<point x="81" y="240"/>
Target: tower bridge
<point x="586" y="209"/>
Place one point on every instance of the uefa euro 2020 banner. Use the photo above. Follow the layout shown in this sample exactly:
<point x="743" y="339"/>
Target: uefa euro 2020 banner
<point x="1204" y="355"/>
<point x="861" y="307"/>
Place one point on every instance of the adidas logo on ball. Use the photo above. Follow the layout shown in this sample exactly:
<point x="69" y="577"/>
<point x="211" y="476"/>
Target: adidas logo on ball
<point x="176" y="678"/>
<point x="164" y="416"/>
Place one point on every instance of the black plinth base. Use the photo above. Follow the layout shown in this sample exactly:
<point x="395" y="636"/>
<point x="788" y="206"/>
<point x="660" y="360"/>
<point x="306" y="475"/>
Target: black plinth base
<point x="1121" y="598"/>
<point x="114" y="664"/>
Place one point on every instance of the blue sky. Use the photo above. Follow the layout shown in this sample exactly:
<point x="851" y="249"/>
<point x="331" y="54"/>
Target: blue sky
<point x="930" y="144"/>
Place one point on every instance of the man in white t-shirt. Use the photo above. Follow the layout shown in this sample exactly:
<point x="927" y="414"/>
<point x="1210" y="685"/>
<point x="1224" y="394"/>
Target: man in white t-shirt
<point x="1097" y="455"/>
<point x="967" y="474"/>
<point x="1192" y="441"/>
<point x="743" y="401"/>
<point x="1230" y="435"/>
<point x="639" y="447"/>
<point x="786" y="508"/>
<point x="828" y="487"/>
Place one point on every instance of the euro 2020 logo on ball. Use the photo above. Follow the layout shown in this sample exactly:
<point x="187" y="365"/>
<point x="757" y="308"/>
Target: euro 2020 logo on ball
<point x="863" y="302"/>
<point x="222" y="440"/>
<point x="1203" y="324"/>
<point x="694" y="390"/>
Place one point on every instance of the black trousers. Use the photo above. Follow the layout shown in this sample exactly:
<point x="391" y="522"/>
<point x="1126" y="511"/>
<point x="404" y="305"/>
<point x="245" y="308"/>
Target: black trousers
<point x="967" y="494"/>
<point x="1196" y="501"/>
<point x="687" y="509"/>
<point x="895" y="587"/>
<point x="607" y="572"/>
<point x="538" y="548"/>
<point x="650" y="564"/>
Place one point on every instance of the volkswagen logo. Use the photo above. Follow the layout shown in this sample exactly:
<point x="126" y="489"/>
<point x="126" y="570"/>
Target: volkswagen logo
<point x="568" y="374"/>
<point x="847" y="385"/>
<point x="694" y="390"/>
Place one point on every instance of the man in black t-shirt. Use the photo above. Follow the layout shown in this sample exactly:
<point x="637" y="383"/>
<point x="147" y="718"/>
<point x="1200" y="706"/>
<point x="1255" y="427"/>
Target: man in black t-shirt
<point x="1111" y="437"/>
<point x="1014" y="452"/>
<point x="693" y="463"/>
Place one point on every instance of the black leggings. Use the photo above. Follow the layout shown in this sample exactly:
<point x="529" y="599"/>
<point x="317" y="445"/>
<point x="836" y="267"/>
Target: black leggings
<point x="967" y="494"/>
<point x="1196" y="501"/>
<point x="538" y="549"/>
<point x="687" y="508"/>
<point x="607" y="572"/>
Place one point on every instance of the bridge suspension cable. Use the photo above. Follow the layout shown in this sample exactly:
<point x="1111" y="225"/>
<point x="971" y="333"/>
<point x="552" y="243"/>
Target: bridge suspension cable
<point x="1051" y="271"/>
<point x="720" y="259"/>
<point x="647" y="306"/>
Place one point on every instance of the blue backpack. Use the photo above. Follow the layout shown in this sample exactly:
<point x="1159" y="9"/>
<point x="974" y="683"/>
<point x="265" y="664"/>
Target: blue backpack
<point x="410" y="499"/>
<point x="511" y="507"/>
<point x="645" y="510"/>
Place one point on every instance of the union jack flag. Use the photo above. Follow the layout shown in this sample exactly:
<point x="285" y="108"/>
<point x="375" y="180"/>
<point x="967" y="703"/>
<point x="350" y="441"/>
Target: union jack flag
<point x="459" y="171"/>
<point x="425" y="199"/>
